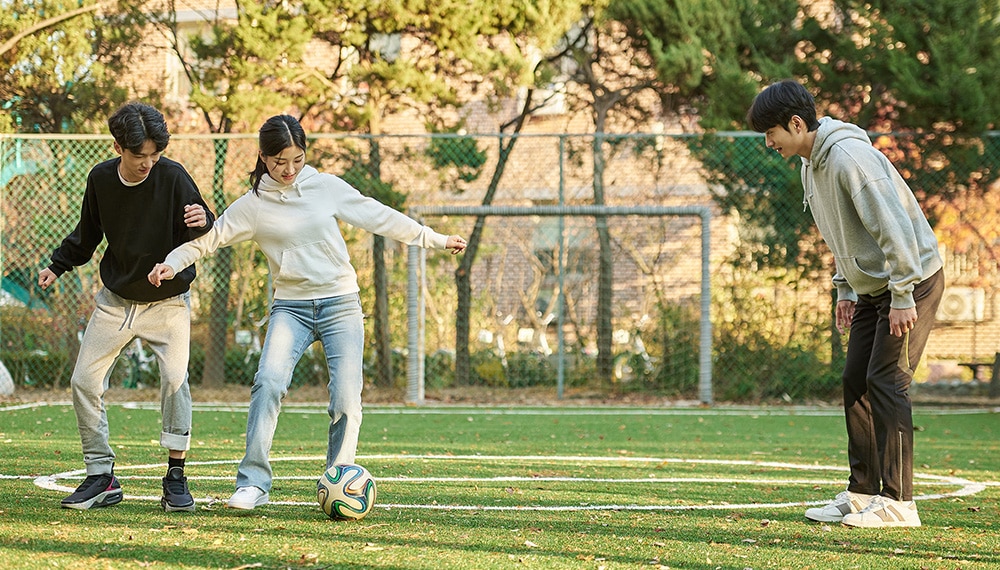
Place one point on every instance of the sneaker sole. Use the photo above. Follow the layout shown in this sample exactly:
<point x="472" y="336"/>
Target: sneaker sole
<point x="245" y="506"/>
<point x="105" y="499"/>
<point x="170" y="508"/>
<point x="824" y="518"/>
<point x="249" y="506"/>
<point x="882" y="524"/>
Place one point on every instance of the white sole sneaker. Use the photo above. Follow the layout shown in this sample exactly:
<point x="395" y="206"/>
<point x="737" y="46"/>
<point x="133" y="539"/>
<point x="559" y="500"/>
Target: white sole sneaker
<point x="884" y="512"/>
<point x="844" y="504"/>
<point x="248" y="498"/>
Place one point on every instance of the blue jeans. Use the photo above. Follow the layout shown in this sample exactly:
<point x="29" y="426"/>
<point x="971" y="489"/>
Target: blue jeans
<point x="338" y="323"/>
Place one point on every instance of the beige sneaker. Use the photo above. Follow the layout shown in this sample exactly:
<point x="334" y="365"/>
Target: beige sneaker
<point x="884" y="512"/>
<point x="845" y="503"/>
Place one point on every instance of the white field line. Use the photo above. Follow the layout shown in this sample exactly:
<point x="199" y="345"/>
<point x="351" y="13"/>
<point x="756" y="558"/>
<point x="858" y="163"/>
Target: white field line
<point x="966" y="487"/>
<point x="611" y="410"/>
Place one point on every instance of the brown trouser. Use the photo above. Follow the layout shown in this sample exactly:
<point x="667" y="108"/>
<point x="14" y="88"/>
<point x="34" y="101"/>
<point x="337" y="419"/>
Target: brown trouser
<point x="877" y="377"/>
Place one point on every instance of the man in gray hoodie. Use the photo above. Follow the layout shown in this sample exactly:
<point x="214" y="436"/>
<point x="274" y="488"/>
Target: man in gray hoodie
<point x="889" y="283"/>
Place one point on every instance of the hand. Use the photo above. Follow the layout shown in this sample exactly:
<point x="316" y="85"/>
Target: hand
<point x="901" y="321"/>
<point x="46" y="278"/>
<point x="161" y="272"/>
<point x="194" y="216"/>
<point x="456" y="244"/>
<point x="845" y="314"/>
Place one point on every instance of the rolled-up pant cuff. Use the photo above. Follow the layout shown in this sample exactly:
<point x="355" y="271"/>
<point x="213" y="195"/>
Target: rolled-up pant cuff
<point x="100" y="467"/>
<point x="175" y="442"/>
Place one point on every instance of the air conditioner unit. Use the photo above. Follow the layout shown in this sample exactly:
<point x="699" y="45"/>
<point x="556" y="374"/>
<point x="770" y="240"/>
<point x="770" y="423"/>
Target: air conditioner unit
<point x="962" y="304"/>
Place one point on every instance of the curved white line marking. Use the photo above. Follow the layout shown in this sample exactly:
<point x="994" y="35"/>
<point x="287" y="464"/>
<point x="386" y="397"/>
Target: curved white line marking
<point x="966" y="487"/>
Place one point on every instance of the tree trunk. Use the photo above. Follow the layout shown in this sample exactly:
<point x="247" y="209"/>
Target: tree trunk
<point x="214" y="373"/>
<point x="605" y="356"/>
<point x="383" y="339"/>
<point x="381" y="330"/>
<point x="463" y="274"/>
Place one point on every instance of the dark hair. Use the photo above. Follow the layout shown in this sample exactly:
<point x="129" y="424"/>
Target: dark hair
<point x="135" y="123"/>
<point x="277" y="133"/>
<point x="778" y="103"/>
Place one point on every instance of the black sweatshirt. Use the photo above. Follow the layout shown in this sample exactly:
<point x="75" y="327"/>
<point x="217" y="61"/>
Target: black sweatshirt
<point x="142" y="224"/>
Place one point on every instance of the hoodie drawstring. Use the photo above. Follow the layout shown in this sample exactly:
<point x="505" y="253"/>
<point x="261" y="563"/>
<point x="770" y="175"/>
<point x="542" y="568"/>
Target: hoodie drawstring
<point x="129" y="317"/>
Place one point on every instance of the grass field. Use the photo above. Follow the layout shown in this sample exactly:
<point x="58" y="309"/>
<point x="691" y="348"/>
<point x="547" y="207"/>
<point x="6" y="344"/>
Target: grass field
<point x="494" y="487"/>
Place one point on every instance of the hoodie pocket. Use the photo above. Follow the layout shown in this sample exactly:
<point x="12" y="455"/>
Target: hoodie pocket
<point x="860" y="280"/>
<point x="310" y="264"/>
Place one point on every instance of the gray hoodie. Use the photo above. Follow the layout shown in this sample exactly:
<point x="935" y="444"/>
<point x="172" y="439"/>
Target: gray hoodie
<point x="867" y="215"/>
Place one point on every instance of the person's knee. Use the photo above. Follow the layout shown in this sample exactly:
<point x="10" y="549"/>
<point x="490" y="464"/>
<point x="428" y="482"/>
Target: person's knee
<point x="269" y="385"/>
<point x="349" y="411"/>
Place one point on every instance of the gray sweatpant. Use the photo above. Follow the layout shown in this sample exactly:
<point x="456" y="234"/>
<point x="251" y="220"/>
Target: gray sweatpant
<point x="165" y="326"/>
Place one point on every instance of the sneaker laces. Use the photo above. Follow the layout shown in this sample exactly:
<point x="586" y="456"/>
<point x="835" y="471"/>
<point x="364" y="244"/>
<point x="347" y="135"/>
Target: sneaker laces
<point x="175" y="485"/>
<point x="842" y="497"/>
<point x="877" y="502"/>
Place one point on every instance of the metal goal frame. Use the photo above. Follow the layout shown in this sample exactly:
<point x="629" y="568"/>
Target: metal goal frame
<point x="416" y="286"/>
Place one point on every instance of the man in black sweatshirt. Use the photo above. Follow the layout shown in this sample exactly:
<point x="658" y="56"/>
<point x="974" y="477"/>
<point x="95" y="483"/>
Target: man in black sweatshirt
<point x="144" y="205"/>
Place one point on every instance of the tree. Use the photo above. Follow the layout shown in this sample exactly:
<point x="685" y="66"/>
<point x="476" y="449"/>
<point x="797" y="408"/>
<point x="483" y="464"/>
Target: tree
<point x="426" y="57"/>
<point x="924" y="71"/>
<point x="61" y="62"/>
<point x="633" y="60"/>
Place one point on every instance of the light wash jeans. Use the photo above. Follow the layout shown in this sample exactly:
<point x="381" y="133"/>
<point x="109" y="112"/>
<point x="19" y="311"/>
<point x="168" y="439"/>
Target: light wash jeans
<point x="165" y="327"/>
<point x="338" y="323"/>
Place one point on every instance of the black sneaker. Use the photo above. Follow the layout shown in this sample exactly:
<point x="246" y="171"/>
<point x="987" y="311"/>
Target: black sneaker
<point x="95" y="491"/>
<point x="176" y="496"/>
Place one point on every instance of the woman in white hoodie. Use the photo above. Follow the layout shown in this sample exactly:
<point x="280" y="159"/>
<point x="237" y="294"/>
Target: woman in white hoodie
<point x="292" y="213"/>
<point x="889" y="282"/>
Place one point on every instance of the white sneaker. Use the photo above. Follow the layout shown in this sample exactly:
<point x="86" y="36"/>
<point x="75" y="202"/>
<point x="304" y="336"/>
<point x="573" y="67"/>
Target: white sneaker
<point x="882" y="512"/>
<point x="246" y="498"/>
<point x="844" y="504"/>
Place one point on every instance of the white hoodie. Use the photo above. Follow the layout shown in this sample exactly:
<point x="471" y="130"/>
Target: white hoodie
<point x="868" y="216"/>
<point x="296" y="227"/>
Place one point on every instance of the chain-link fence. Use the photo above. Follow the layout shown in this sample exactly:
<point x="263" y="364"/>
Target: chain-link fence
<point x="618" y="297"/>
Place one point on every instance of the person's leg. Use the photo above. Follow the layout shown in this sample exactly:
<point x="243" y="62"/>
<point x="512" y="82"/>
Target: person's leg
<point x="862" y="453"/>
<point x="863" y="481"/>
<point x="890" y="376"/>
<point x="166" y="327"/>
<point x="103" y="341"/>
<point x="342" y="331"/>
<point x="894" y="360"/>
<point x="289" y="333"/>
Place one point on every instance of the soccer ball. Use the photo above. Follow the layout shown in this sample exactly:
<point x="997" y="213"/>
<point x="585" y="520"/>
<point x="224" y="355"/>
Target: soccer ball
<point x="346" y="492"/>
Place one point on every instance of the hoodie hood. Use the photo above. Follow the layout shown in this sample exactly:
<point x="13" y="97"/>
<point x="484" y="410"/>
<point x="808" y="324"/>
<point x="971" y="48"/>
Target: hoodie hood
<point x="830" y="133"/>
<point x="268" y="184"/>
